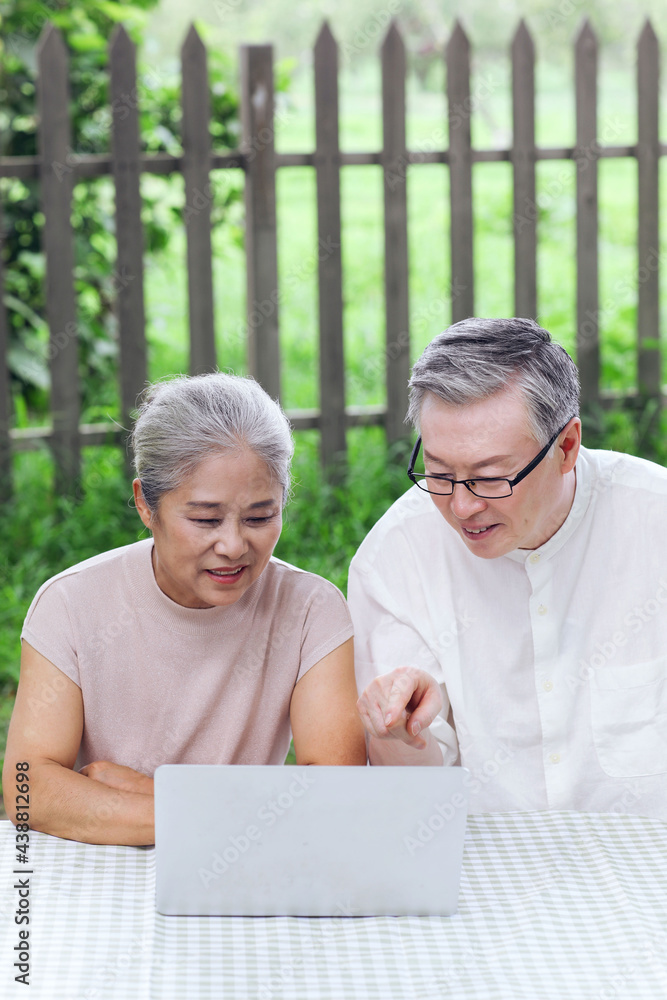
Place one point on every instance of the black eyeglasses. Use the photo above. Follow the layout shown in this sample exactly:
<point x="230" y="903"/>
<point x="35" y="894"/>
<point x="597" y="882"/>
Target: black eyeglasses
<point x="487" y="488"/>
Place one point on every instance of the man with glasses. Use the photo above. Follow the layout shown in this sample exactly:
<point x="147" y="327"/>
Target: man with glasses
<point x="510" y="610"/>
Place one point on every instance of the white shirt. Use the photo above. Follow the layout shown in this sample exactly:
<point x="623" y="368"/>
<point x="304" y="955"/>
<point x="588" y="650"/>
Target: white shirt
<point x="552" y="662"/>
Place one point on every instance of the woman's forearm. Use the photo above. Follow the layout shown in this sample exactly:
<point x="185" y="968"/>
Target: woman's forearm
<point x="67" y="804"/>
<point x="395" y="751"/>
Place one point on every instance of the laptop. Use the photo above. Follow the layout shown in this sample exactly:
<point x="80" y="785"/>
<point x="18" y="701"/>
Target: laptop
<point x="263" y="840"/>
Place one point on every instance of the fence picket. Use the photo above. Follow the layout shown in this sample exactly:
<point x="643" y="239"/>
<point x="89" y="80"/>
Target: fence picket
<point x="198" y="200"/>
<point x="460" y="174"/>
<point x="129" y="278"/>
<point x="56" y="191"/>
<point x="648" y="233"/>
<point x="523" y="161"/>
<point x="327" y="168"/>
<point x="260" y="206"/>
<point x="395" y="163"/>
<point x="586" y="158"/>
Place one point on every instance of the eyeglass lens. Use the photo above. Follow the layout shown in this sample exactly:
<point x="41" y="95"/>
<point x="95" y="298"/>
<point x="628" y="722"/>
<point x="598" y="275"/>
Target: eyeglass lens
<point x="489" y="488"/>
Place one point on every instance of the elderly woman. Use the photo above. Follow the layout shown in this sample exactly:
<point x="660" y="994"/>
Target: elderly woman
<point x="192" y="646"/>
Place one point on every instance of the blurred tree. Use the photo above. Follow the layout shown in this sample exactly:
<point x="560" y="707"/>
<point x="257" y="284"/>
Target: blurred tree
<point x="87" y="26"/>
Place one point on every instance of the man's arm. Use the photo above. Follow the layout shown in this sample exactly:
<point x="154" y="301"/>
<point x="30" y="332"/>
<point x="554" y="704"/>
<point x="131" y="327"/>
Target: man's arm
<point x="395" y="752"/>
<point x="385" y="637"/>
<point x="396" y="710"/>
<point x="45" y="731"/>
<point x="323" y="715"/>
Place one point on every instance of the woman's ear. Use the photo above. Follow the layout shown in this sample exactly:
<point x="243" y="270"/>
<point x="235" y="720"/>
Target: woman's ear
<point x="142" y="507"/>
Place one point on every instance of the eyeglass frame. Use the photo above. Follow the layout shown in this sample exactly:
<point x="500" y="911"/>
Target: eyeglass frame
<point x="480" y="479"/>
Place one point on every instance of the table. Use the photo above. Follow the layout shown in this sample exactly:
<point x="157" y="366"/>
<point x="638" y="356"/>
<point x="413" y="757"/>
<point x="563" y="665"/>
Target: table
<point x="552" y="905"/>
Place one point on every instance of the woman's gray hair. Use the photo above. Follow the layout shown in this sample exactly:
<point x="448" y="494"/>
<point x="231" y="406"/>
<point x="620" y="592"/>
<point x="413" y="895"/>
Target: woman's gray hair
<point x="476" y="358"/>
<point x="188" y="418"/>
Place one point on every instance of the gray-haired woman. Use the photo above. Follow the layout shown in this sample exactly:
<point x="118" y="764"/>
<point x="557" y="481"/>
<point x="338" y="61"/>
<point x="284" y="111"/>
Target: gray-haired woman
<point x="192" y="646"/>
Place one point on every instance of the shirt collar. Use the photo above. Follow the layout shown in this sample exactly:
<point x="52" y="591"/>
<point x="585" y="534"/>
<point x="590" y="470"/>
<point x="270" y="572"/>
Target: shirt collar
<point x="583" y="491"/>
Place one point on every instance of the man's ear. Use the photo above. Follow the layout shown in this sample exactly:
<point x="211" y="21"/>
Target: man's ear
<point x="569" y="445"/>
<point x="142" y="507"/>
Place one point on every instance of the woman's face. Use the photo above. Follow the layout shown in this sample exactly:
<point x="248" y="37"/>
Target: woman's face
<point x="214" y="535"/>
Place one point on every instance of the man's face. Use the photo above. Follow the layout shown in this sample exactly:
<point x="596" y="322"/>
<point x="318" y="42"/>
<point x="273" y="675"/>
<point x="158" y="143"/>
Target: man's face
<point x="492" y="438"/>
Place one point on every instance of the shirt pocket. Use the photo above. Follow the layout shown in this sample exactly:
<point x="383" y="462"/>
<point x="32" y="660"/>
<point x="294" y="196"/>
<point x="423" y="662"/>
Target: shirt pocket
<point x="629" y="718"/>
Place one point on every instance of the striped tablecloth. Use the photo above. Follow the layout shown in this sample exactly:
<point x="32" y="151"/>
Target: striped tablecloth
<point x="552" y="905"/>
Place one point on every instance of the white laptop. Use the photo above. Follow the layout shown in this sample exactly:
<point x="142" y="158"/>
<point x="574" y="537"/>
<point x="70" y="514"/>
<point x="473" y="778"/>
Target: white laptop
<point x="267" y="840"/>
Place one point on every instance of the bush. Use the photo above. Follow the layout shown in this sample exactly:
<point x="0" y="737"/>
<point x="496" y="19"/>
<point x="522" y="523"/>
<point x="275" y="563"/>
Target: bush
<point x="87" y="26"/>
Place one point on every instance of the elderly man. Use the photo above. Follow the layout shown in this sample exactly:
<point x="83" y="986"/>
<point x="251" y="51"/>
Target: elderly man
<point x="510" y="609"/>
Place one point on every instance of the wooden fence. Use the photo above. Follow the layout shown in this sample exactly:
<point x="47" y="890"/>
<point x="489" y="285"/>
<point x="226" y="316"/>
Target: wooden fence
<point x="58" y="170"/>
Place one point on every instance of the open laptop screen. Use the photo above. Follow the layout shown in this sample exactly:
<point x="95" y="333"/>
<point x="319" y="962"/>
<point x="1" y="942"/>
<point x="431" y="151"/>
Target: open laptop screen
<point x="265" y="840"/>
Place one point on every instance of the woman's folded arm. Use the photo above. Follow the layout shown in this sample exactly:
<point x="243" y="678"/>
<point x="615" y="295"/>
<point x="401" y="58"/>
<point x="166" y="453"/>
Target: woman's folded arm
<point x="111" y="805"/>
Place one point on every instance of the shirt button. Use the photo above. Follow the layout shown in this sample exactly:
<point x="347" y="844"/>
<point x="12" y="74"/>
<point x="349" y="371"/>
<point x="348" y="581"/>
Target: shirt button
<point x="555" y="758"/>
<point x="541" y="610"/>
<point x="548" y="686"/>
<point x="535" y="558"/>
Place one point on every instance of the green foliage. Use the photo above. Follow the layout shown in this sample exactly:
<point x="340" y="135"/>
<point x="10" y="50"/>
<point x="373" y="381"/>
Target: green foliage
<point x="87" y="27"/>
<point x="324" y="525"/>
<point x="48" y="534"/>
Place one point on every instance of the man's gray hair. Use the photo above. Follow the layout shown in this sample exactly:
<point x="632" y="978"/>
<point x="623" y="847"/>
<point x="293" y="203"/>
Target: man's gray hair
<point x="475" y="358"/>
<point x="186" y="419"/>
